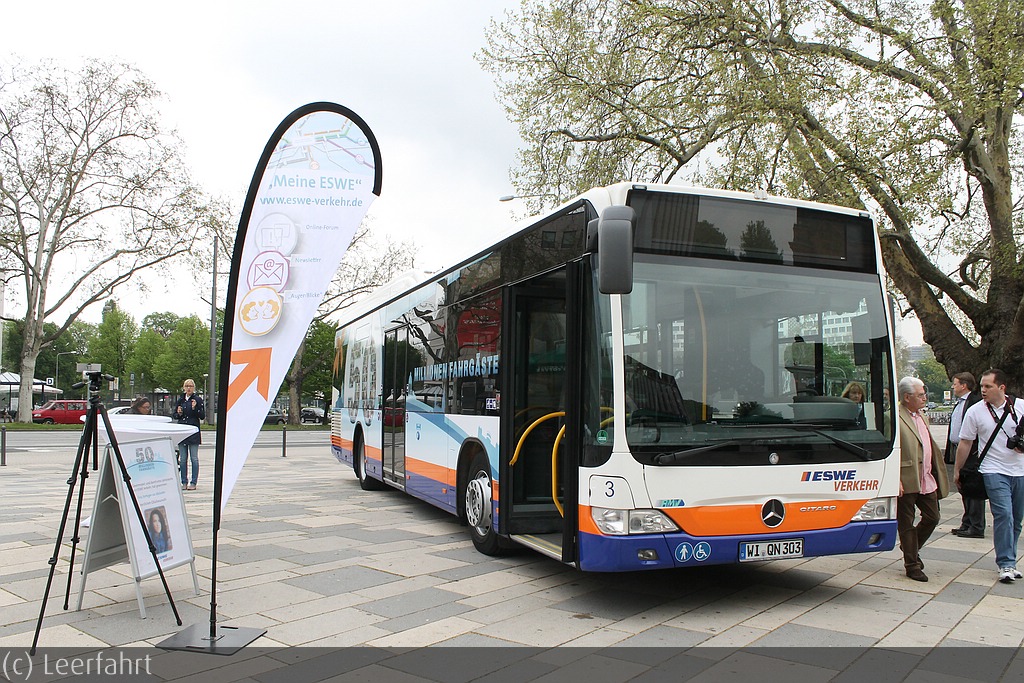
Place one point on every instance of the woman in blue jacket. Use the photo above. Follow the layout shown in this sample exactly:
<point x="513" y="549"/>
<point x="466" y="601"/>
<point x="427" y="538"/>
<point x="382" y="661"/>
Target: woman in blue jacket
<point x="189" y="410"/>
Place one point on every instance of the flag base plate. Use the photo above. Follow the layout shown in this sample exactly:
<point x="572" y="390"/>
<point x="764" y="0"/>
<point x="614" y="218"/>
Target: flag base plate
<point x="196" y="638"/>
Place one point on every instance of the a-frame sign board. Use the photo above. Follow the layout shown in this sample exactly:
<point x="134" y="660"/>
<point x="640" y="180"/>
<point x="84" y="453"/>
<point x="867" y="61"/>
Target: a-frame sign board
<point x="153" y="469"/>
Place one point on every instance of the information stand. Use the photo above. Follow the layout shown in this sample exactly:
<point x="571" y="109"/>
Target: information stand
<point x="149" y="448"/>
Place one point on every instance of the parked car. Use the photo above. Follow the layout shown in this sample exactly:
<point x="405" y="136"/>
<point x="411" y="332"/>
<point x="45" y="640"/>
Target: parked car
<point x="275" y="416"/>
<point x="62" y="412"/>
<point x="119" y="410"/>
<point x="311" y="415"/>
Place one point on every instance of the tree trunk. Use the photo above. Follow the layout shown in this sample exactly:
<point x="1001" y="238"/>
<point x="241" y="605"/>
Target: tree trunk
<point x="294" y="379"/>
<point x="28" y="372"/>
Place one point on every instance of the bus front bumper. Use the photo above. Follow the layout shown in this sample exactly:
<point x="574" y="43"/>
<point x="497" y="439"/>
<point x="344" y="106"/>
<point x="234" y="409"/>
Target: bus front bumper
<point x="600" y="553"/>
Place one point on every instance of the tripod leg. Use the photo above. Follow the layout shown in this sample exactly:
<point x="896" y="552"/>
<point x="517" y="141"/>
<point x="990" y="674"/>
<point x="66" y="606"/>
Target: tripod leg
<point x="138" y="510"/>
<point x="81" y="469"/>
<point x="90" y="428"/>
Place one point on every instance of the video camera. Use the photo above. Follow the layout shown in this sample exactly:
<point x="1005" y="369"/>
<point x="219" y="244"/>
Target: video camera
<point x="95" y="378"/>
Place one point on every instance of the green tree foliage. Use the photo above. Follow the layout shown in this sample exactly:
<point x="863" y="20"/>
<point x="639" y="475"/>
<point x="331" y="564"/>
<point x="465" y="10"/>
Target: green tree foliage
<point x="72" y="347"/>
<point x="92" y="191"/>
<point x="185" y="355"/>
<point x="149" y="346"/>
<point x="317" y="356"/>
<point x="114" y="344"/>
<point x="933" y="374"/>
<point x="162" y="323"/>
<point x="909" y="109"/>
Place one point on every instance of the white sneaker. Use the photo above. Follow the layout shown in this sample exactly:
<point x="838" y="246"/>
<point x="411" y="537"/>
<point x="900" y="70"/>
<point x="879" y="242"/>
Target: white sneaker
<point x="1008" y="575"/>
<point x="1016" y="573"/>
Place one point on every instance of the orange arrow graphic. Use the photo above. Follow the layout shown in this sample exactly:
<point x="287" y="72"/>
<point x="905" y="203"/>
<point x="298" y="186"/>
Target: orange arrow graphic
<point x="257" y="369"/>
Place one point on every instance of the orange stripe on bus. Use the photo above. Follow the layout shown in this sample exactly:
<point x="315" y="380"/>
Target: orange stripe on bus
<point x="586" y="521"/>
<point x="735" y="520"/>
<point x="422" y="468"/>
<point x="731" y="520"/>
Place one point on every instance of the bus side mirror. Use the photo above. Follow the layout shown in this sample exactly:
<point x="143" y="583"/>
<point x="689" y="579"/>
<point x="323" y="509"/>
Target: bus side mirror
<point x="615" y="250"/>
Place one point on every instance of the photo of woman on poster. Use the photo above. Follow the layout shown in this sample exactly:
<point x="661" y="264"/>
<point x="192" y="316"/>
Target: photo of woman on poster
<point x="157" y="523"/>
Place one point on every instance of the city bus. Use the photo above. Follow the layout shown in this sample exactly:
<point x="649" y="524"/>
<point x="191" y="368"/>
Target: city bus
<point x="649" y="376"/>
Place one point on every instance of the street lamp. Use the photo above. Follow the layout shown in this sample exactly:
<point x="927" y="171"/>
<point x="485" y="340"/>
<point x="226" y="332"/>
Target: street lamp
<point x="56" y="370"/>
<point x="212" y="376"/>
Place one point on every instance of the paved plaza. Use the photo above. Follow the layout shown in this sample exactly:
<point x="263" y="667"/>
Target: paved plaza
<point x="316" y="561"/>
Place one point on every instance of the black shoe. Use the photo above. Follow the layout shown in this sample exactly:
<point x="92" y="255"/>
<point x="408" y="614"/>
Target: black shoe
<point x="917" y="575"/>
<point x="957" y="532"/>
<point x="966" y="534"/>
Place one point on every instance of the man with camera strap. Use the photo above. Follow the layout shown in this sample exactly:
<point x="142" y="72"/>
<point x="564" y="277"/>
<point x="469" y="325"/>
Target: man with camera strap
<point x="1002" y="466"/>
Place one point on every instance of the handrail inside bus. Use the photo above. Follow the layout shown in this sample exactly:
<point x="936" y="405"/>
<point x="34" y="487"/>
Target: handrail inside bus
<point x="554" y="472"/>
<point x="519" y="446"/>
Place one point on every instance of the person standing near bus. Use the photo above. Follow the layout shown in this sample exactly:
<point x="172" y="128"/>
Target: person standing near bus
<point x="992" y="422"/>
<point x="923" y="480"/>
<point x="189" y="410"/>
<point x="972" y="525"/>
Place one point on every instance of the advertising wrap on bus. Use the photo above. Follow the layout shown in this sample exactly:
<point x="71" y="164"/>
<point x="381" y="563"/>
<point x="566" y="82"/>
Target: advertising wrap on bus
<point x="695" y="416"/>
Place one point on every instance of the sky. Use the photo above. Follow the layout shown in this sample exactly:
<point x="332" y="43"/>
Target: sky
<point x="231" y="71"/>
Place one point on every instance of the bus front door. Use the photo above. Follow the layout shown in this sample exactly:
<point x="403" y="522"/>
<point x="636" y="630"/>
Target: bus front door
<point x="538" y="490"/>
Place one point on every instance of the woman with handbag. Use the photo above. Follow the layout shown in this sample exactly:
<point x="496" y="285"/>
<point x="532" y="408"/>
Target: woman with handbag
<point x="993" y="422"/>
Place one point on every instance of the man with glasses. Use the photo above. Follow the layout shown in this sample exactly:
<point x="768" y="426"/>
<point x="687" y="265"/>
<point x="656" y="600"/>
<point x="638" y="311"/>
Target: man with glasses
<point x="990" y="422"/>
<point x="922" y="477"/>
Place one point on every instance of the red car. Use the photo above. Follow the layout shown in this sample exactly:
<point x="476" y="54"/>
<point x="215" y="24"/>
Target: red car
<point x="61" y="412"/>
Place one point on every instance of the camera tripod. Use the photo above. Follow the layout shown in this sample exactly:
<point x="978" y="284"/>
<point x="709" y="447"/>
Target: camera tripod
<point x="90" y="437"/>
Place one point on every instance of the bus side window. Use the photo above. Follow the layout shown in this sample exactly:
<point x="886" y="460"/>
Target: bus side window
<point x="467" y="398"/>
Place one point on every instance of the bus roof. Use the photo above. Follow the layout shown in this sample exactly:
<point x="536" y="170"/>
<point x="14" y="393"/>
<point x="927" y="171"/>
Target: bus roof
<point x="600" y="198"/>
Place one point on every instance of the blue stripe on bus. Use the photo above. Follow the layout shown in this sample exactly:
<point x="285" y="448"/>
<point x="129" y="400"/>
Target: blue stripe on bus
<point x="433" y="491"/>
<point x="619" y="553"/>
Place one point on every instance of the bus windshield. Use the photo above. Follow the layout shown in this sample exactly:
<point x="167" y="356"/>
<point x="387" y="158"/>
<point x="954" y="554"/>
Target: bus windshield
<point x="754" y="364"/>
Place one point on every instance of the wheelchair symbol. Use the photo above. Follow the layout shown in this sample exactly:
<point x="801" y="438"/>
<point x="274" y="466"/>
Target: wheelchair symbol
<point x="702" y="551"/>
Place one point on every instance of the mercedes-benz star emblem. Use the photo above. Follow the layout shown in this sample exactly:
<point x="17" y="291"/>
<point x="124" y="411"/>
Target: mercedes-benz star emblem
<point x="772" y="513"/>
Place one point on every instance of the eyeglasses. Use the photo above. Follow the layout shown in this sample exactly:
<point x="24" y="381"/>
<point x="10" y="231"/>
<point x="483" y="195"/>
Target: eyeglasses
<point x="922" y="394"/>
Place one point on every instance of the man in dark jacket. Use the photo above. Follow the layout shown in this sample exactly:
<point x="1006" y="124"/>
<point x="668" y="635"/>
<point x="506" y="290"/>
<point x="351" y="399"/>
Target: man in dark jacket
<point x="965" y="391"/>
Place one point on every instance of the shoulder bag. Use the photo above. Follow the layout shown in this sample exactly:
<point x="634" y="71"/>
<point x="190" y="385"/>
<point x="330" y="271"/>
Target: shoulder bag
<point x="972" y="484"/>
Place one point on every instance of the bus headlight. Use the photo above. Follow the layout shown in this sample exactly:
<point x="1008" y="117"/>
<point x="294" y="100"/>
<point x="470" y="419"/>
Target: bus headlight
<point x="625" y="522"/>
<point x="876" y="509"/>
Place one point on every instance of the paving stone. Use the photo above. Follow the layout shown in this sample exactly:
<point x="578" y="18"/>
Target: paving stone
<point x="665" y="636"/>
<point x="880" y="666"/>
<point x="967" y="664"/>
<point x="424" y="617"/>
<point x="756" y="664"/>
<point x="410" y="602"/>
<point x="342" y="580"/>
<point x="254" y="553"/>
<point x="961" y="593"/>
<point x="323" y="563"/>
<point x="809" y="638"/>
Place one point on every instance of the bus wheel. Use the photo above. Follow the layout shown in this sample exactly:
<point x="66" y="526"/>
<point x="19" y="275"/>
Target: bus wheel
<point x="476" y="497"/>
<point x="366" y="482"/>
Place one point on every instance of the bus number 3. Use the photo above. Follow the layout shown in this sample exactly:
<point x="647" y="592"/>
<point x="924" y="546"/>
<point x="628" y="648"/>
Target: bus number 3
<point x="610" y="493"/>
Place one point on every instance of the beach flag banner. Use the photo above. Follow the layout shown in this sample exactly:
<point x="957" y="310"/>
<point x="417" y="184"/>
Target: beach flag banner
<point x="317" y="177"/>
